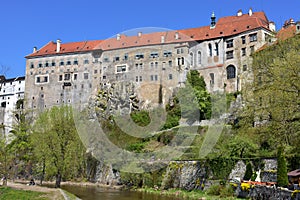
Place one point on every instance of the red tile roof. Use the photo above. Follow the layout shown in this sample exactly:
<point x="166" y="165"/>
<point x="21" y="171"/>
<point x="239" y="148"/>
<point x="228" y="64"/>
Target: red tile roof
<point x="225" y="27"/>
<point x="286" y="33"/>
<point x="72" y="47"/>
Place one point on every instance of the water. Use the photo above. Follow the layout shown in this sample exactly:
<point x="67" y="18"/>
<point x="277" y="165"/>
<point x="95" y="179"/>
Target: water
<point x="95" y="193"/>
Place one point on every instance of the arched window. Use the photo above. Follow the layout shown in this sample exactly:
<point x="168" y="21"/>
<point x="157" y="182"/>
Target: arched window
<point x="210" y="49"/>
<point x="230" y="72"/>
<point x="217" y="49"/>
<point x="192" y="58"/>
<point x="199" y="57"/>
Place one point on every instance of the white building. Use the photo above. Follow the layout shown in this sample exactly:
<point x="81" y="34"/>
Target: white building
<point x="11" y="99"/>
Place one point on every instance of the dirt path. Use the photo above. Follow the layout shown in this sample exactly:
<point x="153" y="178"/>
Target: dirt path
<point x="51" y="193"/>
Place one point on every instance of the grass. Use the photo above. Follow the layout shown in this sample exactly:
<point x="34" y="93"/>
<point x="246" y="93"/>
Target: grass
<point x="7" y="193"/>
<point x="183" y="194"/>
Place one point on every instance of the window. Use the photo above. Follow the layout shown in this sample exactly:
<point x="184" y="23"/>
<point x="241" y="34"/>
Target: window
<point x="253" y="37"/>
<point x="141" y="65"/>
<point x="170" y="63"/>
<point x="126" y="56"/>
<point x="31" y="65"/>
<point x="156" y="65"/>
<point x="46" y="64"/>
<point x="229" y="43"/>
<point x="217" y="49"/>
<point x="243" y="39"/>
<point x="139" y="56"/>
<point x="167" y="53"/>
<point x="212" y="79"/>
<point x="182" y="60"/>
<point x="178" y="51"/>
<point x="155" y="77"/>
<point x="68" y="62"/>
<point x="192" y="59"/>
<point x="136" y="79"/>
<point x="151" y="65"/>
<point x="244" y="67"/>
<point x="61" y="63"/>
<point x="141" y="78"/>
<point x="53" y="63"/>
<point x="151" y="77"/>
<point x="121" y="68"/>
<point x="199" y="57"/>
<point x="95" y="71"/>
<point x="86" y="76"/>
<point x="104" y="77"/>
<point x="170" y="76"/>
<point x="136" y="66"/>
<point x="243" y="51"/>
<point x="75" y="62"/>
<point x="117" y="58"/>
<point x="154" y="55"/>
<point x="40" y="65"/>
<point x="86" y="61"/>
<point x="67" y="77"/>
<point x="75" y="77"/>
<point x="209" y="49"/>
<point x="252" y="49"/>
<point x="60" y="78"/>
<point x="230" y="72"/>
<point x="42" y="79"/>
<point x="229" y="54"/>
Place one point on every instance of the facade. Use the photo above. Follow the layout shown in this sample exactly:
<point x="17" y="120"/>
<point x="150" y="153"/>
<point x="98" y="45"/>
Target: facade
<point x="153" y="65"/>
<point x="11" y="99"/>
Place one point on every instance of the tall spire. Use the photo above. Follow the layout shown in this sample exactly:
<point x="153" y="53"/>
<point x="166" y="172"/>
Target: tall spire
<point x="213" y="20"/>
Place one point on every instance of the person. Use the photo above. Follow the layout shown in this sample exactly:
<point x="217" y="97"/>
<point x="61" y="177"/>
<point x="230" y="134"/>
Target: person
<point x="32" y="182"/>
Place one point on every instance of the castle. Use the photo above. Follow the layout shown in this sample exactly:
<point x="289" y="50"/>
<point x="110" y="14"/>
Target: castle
<point x="68" y="73"/>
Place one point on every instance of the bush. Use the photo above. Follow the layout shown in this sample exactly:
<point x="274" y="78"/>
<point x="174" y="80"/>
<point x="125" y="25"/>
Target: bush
<point x="214" y="190"/>
<point x="227" y="191"/>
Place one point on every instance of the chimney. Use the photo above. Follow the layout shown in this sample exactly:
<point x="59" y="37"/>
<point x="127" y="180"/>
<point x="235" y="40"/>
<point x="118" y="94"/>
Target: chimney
<point x="162" y="39"/>
<point x="176" y="36"/>
<point x="239" y="13"/>
<point x="139" y="34"/>
<point x="250" y="12"/>
<point x="272" y="26"/>
<point x="58" y="43"/>
<point x="118" y="36"/>
<point x="34" y="49"/>
<point x="213" y="21"/>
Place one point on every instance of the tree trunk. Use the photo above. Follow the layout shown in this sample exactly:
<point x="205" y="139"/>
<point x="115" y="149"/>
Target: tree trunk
<point x="58" y="180"/>
<point x="43" y="172"/>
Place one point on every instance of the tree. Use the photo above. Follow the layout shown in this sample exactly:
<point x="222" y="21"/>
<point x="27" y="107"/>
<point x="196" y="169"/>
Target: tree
<point x="273" y="103"/>
<point x="56" y="144"/>
<point x="282" y="178"/>
<point x="199" y="96"/>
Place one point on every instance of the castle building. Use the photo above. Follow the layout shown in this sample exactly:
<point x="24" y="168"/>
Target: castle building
<point x="153" y="63"/>
<point x="11" y="99"/>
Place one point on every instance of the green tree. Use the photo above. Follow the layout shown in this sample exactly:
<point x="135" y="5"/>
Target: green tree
<point x="272" y="100"/>
<point x="57" y="145"/>
<point x="282" y="178"/>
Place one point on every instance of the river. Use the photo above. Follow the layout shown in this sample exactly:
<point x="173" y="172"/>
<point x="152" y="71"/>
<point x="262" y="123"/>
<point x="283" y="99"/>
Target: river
<point x="100" y="193"/>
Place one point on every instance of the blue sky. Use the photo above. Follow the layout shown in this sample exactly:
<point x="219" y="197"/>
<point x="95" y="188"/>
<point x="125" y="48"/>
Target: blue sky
<point x="25" y="24"/>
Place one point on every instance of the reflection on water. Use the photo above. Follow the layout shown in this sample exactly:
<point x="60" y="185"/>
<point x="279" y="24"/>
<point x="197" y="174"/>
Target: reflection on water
<point x="95" y="193"/>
